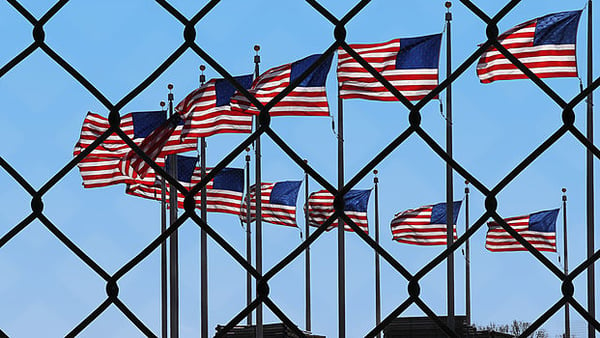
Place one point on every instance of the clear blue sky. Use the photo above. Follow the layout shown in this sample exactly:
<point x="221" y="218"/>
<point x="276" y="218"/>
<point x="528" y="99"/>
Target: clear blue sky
<point x="46" y="290"/>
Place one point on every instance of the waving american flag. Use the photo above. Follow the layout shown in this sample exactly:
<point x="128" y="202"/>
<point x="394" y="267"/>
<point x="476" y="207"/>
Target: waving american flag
<point x="307" y="99"/>
<point x="278" y="203"/>
<point x="539" y="229"/>
<point x="320" y="208"/>
<point x="424" y="225"/>
<point x="409" y="64"/>
<point x="223" y="193"/>
<point x="207" y="110"/>
<point x="103" y="166"/>
<point x="546" y="45"/>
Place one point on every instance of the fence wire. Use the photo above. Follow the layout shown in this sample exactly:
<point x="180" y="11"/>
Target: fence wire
<point x="262" y="281"/>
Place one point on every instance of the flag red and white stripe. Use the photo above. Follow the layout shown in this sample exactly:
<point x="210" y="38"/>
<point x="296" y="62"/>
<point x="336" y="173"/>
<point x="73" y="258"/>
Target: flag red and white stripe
<point x="207" y="110"/>
<point x="103" y="171"/>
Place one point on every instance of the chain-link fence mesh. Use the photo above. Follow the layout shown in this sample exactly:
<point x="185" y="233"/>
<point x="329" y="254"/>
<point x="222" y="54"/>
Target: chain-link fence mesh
<point x="414" y="129"/>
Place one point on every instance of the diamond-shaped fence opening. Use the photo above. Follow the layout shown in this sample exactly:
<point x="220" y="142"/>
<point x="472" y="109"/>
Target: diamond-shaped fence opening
<point x="514" y="141"/>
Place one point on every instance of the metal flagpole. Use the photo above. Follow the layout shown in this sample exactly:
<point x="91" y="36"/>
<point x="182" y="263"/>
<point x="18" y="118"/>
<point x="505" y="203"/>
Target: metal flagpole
<point x="449" y="185"/>
<point x="467" y="259"/>
<point x="377" y="269"/>
<point x="341" y="250"/>
<point x="566" y="259"/>
<point x="173" y="245"/>
<point x="163" y="256"/>
<point x="248" y="238"/>
<point x="259" y="309"/>
<point x="307" y="251"/>
<point x="590" y="179"/>
<point x="203" y="236"/>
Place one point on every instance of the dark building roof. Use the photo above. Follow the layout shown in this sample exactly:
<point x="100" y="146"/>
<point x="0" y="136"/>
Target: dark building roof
<point x="425" y="327"/>
<point x="277" y="330"/>
<point x="412" y="327"/>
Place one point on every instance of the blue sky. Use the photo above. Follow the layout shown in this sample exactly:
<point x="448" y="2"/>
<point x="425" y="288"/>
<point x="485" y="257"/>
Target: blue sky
<point x="47" y="290"/>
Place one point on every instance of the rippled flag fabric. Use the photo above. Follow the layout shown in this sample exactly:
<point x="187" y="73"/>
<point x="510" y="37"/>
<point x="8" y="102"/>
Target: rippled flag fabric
<point x="207" y="110"/>
<point x="133" y="165"/>
<point x="278" y="203"/>
<point x="356" y="202"/>
<point x="409" y="64"/>
<point x="99" y="172"/>
<point x="223" y="193"/>
<point x="307" y="99"/>
<point x="546" y="45"/>
<point x="102" y="166"/>
<point x="424" y="225"/>
<point x="186" y="166"/>
<point x="539" y="229"/>
<point x="137" y="126"/>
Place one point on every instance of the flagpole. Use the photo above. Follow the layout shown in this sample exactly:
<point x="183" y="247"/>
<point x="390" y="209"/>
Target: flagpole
<point x="173" y="245"/>
<point x="259" y="309"/>
<point x="341" y="249"/>
<point x="203" y="236"/>
<point x="248" y="238"/>
<point x="449" y="183"/>
<point x="565" y="259"/>
<point x="163" y="256"/>
<point x="468" y="259"/>
<point x="590" y="178"/>
<point x="377" y="269"/>
<point x="307" y="251"/>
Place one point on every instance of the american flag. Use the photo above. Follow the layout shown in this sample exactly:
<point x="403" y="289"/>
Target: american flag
<point x="546" y="45"/>
<point x="137" y="126"/>
<point x="320" y="208"/>
<point x="207" y="110"/>
<point x="307" y="99"/>
<point x="424" y="225"/>
<point x="409" y="64"/>
<point x="102" y="167"/>
<point x="539" y="229"/>
<point x="223" y="193"/>
<point x="133" y="165"/>
<point x="278" y="203"/>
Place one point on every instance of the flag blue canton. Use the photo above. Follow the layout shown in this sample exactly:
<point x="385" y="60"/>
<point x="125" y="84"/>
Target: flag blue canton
<point x="357" y="200"/>
<point x="420" y="52"/>
<point x="146" y="122"/>
<point x="229" y="179"/>
<point x="285" y="193"/>
<point x="557" y="28"/>
<point x="543" y="221"/>
<point x="224" y="90"/>
<point x="438" y="213"/>
<point x="185" y="167"/>
<point x="317" y="77"/>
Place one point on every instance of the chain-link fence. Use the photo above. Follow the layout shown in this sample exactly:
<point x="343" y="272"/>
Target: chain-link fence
<point x="414" y="129"/>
